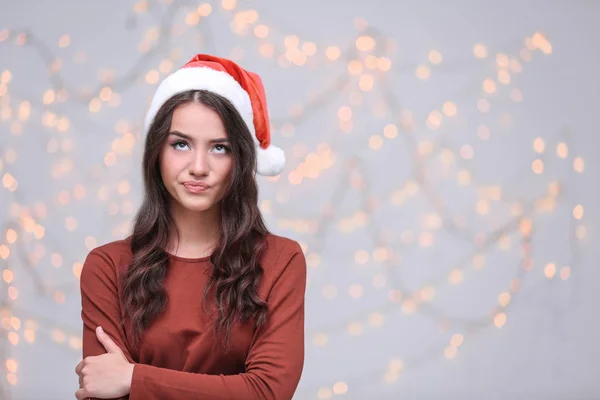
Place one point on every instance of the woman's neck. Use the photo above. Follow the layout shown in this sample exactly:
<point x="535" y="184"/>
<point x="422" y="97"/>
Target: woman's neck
<point x="198" y="232"/>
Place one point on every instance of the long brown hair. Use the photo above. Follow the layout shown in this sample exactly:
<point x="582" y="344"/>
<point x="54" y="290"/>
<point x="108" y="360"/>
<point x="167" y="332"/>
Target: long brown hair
<point x="236" y="271"/>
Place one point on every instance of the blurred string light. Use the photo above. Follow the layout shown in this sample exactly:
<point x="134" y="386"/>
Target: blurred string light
<point x="368" y="64"/>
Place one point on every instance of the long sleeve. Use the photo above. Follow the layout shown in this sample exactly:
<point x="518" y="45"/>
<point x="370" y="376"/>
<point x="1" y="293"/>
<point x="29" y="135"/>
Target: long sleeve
<point x="274" y="363"/>
<point x="100" y="304"/>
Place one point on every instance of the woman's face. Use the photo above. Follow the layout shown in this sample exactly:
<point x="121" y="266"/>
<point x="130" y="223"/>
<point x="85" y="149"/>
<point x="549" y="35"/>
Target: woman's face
<point x="195" y="161"/>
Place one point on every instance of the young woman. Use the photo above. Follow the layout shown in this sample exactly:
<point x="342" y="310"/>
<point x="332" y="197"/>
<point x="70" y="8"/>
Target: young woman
<point x="200" y="301"/>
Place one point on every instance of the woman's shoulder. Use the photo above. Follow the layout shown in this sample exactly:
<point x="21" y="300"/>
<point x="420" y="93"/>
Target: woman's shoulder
<point x="113" y="255"/>
<point x="278" y="246"/>
<point x="117" y="249"/>
<point x="279" y="252"/>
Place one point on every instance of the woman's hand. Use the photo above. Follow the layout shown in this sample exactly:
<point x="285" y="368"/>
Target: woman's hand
<point x="105" y="376"/>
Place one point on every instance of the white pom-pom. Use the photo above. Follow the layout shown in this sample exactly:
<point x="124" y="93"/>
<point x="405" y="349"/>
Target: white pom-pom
<point x="270" y="161"/>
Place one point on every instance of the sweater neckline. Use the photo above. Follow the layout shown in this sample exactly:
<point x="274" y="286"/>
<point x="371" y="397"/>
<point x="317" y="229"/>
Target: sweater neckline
<point x="187" y="259"/>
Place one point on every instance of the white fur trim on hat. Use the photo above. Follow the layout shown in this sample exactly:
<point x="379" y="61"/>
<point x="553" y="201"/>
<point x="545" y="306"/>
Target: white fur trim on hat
<point x="270" y="161"/>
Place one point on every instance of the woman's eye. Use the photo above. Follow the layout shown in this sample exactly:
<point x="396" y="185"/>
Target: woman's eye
<point x="179" y="145"/>
<point x="220" y="148"/>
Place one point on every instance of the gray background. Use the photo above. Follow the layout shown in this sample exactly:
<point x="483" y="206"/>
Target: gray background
<point x="495" y="233"/>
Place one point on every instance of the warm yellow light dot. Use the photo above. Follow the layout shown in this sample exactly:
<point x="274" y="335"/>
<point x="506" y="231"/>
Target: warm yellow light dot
<point x="408" y="306"/>
<point x="49" y="97"/>
<point x="332" y="53"/>
<point x="355" y="67"/>
<point x="450" y="352"/>
<point x="95" y="105"/>
<point x="456" y="340"/>
<point x="366" y="82"/>
<point x="578" y="164"/>
<point x="320" y="339"/>
<point x="550" y="270"/>
<point x="504" y="299"/>
<point x="384" y="64"/>
<point x="29" y="335"/>
<point x="502" y="60"/>
<point x="390" y="131"/>
<point x="580" y="232"/>
<point x="489" y="86"/>
<point x="11" y="236"/>
<point x="449" y="108"/>
<point x="503" y="77"/>
<point x="4" y="252"/>
<point x="396" y="365"/>
<point x="565" y="272"/>
<point x="204" y="10"/>
<point x="371" y="61"/>
<point x="434" y="120"/>
<point x="340" y="388"/>
<point x="466" y="152"/>
<point x="516" y="95"/>
<point x="464" y="177"/>
<point x="77" y="268"/>
<point x="75" y="342"/>
<point x="11" y="365"/>
<point x="482" y="207"/>
<point x="59" y="297"/>
<point x="538" y="145"/>
<point x="5" y="77"/>
<point x="309" y="48"/>
<point x="345" y="113"/>
<point x="480" y="51"/>
<point x="537" y="166"/>
<point x="13" y="338"/>
<point x="455" y="277"/>
<point x="578" y="211"/>
<point x="423" y="72"/>
<point x="500" y="320"/>
<point x="355" y="291"/>
<point x="380" y="254"/>
<point x="365" y="43"/>
<point x="24" y="110"/>
<point x="228" y="4"/>
<point x="376" y="319"/>
<point x="64" y="41"/>
<point x="267" y="50"/>
<point x="324" y="393"/>
<point x="110" y="159"/>
<point x="152" y="76"/>
<point x="483" y="105"/>
<point x="71" y="224"/>
<point x="7" y="275"/>
<point x="525" y="226"/>
<point x="105" y="94"/>
<point x="483" y="132"/>
<point x="140" y="6"/>
<point x="375" y="142"/>
<point x="525" y="55"/>
<point x="562" y="150"/>
<point x="13" y="293"/>
<point x="435" y="57"/>
<point x="361" y="257"/>
<point x="11" y="378"/>
<point x="355" y="328"/>
<point x="56" y="260"/>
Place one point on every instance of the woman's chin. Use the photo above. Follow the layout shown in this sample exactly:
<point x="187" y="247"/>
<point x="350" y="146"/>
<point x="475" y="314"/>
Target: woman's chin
<point x="196" y="205"/>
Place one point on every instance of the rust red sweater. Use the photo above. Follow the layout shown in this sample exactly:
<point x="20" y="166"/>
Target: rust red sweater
<point x="179" y="357"/>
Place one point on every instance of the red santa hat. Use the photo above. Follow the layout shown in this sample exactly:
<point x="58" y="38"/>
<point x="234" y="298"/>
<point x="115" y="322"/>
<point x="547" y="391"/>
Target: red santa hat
<point x="242" y="88"/>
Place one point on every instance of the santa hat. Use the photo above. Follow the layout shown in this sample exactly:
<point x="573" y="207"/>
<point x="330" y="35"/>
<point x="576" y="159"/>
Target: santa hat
<point x="242" y="88"/>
